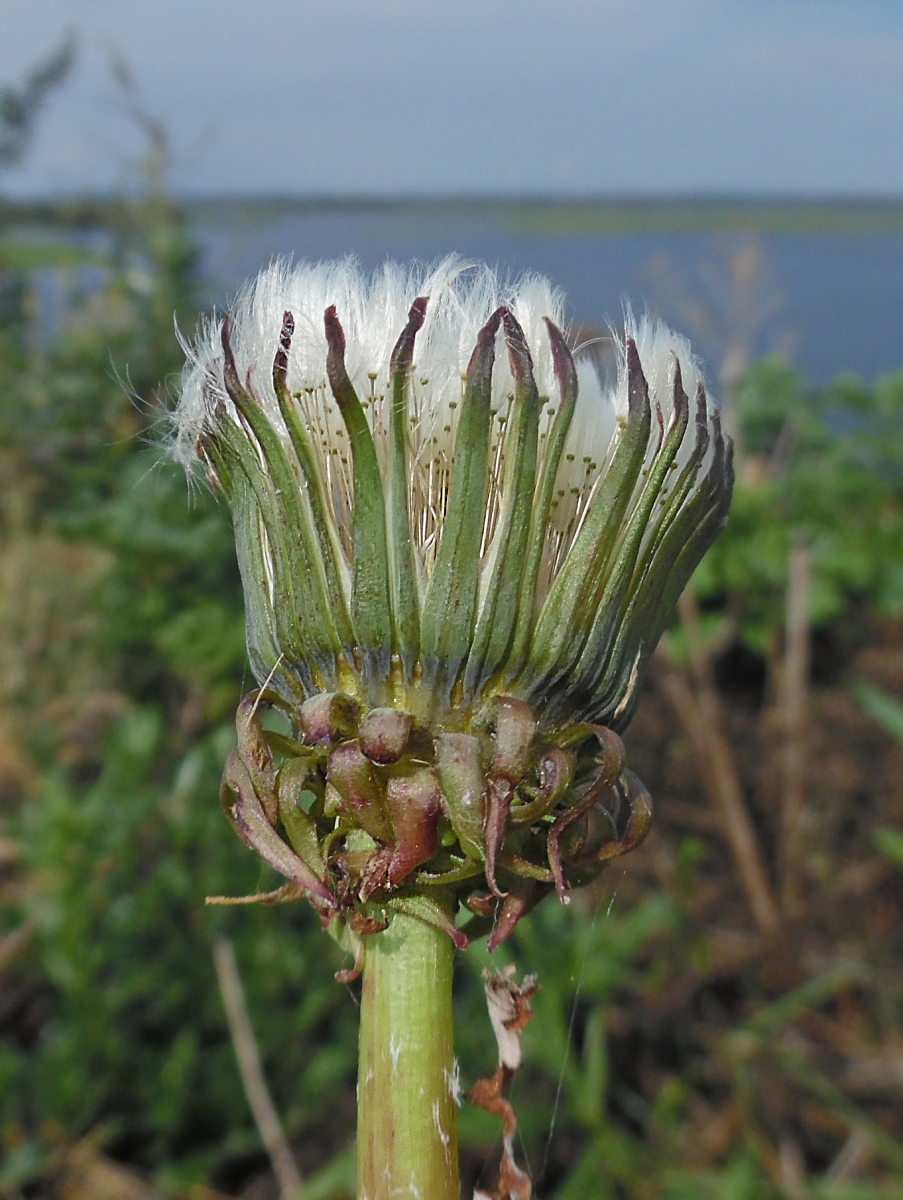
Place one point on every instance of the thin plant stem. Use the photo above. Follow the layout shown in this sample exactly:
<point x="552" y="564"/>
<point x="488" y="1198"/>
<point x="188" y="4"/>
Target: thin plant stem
<point x="794" y="691"/>
<point x="407" y="1118"/>
<point x="251" y="1071"/>
<point x="699" y="713"/>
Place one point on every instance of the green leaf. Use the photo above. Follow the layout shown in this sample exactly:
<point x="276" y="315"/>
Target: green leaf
<point x="286" y="510"/>
<point x="569" y="610"/>
<point x="265" y="546"/>
<point x="607" y="606"/>
<point x="566" y="374"/>
<point x="504" y="568"/>
<point x="451" y="596"/>
<point x="887" y="711"/>
<point x="324" y="525"/>
<point x="404" y="577"/>
<point x="370" y="603"/>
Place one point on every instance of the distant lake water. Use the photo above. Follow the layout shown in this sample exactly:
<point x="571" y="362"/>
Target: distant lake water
<point x="829" y="299"/>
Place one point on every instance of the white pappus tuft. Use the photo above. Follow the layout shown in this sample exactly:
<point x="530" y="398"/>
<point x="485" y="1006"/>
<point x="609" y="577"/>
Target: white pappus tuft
<point x="373" y="308"/>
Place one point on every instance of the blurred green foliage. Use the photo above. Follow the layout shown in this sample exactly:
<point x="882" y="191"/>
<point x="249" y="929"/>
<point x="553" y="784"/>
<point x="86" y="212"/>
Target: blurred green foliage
<point x="112" y="802"/>
<point x="826" y="466"/>
<point x="652" y="1065"/>
<point x="885" y="709"/>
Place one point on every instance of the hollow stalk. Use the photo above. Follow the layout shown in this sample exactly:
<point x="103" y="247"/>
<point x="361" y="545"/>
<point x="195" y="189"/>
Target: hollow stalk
<point x="407" y="1121"/>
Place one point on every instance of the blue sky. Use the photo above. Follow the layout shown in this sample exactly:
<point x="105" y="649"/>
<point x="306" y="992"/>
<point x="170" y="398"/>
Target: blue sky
<point x="474" y="96"/>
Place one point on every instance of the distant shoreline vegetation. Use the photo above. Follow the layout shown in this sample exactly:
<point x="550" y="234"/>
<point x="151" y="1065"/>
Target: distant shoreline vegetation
<point x="549" y="216"/>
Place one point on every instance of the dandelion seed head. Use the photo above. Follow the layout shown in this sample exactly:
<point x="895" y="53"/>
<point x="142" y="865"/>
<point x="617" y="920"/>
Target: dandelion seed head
<point x="373" y="309"/>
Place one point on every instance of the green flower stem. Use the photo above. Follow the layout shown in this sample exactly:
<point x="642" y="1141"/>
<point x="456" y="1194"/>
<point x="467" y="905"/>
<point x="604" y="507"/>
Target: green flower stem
<point x="407" y="1140"/>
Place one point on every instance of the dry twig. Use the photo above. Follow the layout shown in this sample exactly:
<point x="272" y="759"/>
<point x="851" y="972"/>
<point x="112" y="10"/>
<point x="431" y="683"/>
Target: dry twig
<point x="794" y="694"/>
<point x="249" y="1066"/>
<point x="698" y="711"/>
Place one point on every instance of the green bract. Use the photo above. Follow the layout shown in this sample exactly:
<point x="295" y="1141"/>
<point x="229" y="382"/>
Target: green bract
<point x="458" y="551"/>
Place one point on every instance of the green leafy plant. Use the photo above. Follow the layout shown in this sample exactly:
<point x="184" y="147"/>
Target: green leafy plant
<point x="661" y="1060"/>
